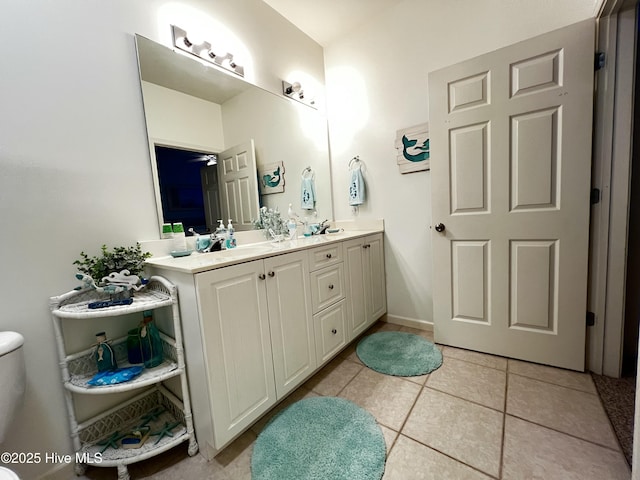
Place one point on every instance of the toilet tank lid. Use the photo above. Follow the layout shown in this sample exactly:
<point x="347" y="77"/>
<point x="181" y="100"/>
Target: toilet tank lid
<point x="10" y="341"/>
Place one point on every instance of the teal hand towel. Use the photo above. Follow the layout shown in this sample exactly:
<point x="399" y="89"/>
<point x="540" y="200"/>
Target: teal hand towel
<point x="356" y="187"/>
<point x="308" y="194"/>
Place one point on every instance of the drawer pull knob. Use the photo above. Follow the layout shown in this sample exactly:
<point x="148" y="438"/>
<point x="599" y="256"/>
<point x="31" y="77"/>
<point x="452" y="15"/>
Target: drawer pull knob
<point x="331" y="286"/>
<point x="334" y="331"/>
<point x="328" y="255"/>
<point x="261" y="276"/>
<point x="366" y="245"/>
<point x="271" y="273"/>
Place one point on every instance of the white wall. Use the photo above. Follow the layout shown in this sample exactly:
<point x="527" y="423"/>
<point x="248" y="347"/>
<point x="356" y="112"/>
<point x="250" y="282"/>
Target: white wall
<point x="74" y="160"/>
<point x="177" y="119"/>
<point x="376" y="80"/>
<point x="288" y="132"/>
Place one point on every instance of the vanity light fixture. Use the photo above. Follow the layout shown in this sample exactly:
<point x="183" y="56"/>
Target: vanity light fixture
<point x="204" y="51"/>
<point x="294" y="90"/>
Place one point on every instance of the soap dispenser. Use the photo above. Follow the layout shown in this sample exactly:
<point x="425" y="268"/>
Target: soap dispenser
<point x="231" y="239"/>
<point x="221" y="234"/>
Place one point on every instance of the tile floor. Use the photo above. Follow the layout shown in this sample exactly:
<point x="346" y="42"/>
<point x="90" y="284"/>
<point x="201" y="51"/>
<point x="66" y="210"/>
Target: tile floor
<point x="476" y="417"/>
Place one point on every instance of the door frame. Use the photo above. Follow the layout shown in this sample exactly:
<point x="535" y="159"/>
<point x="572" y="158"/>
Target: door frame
<point x="611" y="173"/>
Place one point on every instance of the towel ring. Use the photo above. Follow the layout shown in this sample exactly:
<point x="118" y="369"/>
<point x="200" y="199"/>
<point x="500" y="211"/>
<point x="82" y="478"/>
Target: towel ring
<point x="355" y="159"/>
<point x="309" y="170"/>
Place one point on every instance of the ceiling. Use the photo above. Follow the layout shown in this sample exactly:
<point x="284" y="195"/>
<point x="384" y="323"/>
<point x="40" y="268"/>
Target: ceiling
<point x="328" y="20"/>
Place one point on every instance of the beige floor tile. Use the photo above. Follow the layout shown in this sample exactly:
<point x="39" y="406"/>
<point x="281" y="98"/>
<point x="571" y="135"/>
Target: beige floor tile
<point x="389" y="436"/>
<point x="560" y="408"/>
<point x="476" y="357"/>
<point x="235" y="460"/>
<point x="463" y="430"/>
<point x="426" y="334"/>
<point x="558" y="376"/>
<point x="419" y="379"/>
<point x="387" y="398"/>
<point x="334" y="377"/>
<point x="412" y="460"/>
<point x="479" y="384"/>
<point x="533" y="452"/>
<point x="298" y="394"/>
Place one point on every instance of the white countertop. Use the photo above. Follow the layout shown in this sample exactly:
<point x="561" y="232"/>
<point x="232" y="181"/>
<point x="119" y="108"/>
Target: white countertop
<point x="201" y="262"/>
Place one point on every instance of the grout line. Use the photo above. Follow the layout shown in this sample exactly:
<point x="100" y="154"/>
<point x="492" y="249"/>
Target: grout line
<point x="457" y="460"/>
<point x="565" y="433"/>
<point x="464" y="399"/>
<point x="474" y="363"/>
<point x="554" y="384"/>
<point x="504" y="424"/>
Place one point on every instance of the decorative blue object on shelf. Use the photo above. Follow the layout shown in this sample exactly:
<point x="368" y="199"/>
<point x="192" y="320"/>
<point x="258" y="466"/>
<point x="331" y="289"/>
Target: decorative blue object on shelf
<point x="150" y="341"/>
<point x="105" y="358"/>
<point x="110" y="303"/>
<point x="119" y="375"/>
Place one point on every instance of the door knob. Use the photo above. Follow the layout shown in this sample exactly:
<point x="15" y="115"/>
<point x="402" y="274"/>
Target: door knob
<point x="261" y="276"/>
<point x="440" y="227"/>
<point x="334" y="331"/>
<point x="271" y="274"/>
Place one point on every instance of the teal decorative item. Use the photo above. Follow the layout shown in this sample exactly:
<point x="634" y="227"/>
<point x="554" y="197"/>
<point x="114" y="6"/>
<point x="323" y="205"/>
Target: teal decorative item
<point x="105" y="358"/>
<point x="399" y="353"/>
<point x="320" y="438"/>
<point x="413" y="148"/>
<point x="115" y="376"/>
<point x="150" y="341"/>
<point x="271" y="178"/>
<point x="423" y="150"/>
<point x="134" y="347"/>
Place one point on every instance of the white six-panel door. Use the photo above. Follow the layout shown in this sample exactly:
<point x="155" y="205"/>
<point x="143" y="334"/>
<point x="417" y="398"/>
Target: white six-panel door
<point x="238" y="182"/>
<point x="511" y="163"/>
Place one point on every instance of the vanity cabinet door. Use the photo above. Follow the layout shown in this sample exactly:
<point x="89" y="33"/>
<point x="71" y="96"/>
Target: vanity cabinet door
<point x="365" y="282"/>
<point x="292" y="335"/>
<point x="237" y="347"/>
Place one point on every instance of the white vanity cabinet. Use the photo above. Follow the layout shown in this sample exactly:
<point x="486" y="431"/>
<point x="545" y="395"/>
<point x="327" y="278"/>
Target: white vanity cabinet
<point x="260" y="320"/>
<point x="257" y="337"/>
<point x="365" y="282"/>
<point x="328" y="293"/>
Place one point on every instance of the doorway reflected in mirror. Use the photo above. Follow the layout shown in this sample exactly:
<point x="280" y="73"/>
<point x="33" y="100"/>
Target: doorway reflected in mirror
<point x="189" y="187"/>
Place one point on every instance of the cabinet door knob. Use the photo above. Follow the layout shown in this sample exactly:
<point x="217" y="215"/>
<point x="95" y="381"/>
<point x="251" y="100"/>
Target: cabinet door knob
<point x="261" y="276"/>
<point x="366" y="245"/>
<point x="331" y="286"/>
<point x="272" y="273"/>
<point x="334" y="331"/>
<point x="328" y="255"/>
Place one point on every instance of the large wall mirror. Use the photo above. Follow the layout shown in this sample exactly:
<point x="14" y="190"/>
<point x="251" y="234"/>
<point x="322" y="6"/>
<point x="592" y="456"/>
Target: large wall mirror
<point x="221" y="147"/>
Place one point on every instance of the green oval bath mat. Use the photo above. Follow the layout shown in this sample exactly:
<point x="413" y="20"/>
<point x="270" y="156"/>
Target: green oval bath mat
<point x="320" y="438"/>
<point x="399" y="353"/>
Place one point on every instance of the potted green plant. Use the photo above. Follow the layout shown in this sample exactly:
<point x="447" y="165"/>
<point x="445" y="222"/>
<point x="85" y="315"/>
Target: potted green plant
<point x="111" y="261"/>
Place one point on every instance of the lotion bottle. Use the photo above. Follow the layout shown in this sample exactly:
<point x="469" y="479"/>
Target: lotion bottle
<point x="231" y="239"/>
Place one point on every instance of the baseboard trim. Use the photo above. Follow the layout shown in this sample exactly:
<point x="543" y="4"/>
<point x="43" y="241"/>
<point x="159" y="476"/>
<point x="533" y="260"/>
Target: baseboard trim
<point x="408" y="322"/>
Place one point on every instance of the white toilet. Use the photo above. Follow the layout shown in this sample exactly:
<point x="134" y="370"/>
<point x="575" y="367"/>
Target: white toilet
<point x="12" y="385"/>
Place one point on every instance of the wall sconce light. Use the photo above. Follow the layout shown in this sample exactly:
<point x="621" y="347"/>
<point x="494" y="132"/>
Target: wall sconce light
<point x="294" y="90"/>
<point x="205" y="51"/>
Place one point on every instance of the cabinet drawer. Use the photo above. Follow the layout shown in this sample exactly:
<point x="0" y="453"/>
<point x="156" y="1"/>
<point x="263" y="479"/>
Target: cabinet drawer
<point x="324" y="256"/>
<point x="330" y="327"/>
<point x="327" y="287"/>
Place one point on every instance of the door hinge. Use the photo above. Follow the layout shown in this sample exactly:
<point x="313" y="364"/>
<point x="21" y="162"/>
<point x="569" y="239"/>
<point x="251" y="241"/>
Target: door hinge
<point x="595" y="196"/>
<point x="591" y="319"/>
<point x="599" y="61"/>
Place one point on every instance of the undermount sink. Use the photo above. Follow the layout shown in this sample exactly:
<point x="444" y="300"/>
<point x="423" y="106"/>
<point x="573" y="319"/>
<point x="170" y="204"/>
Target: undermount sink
<point x="242" y="251"/>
